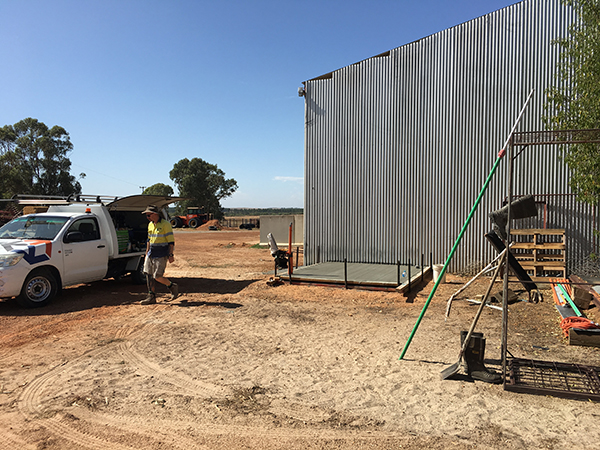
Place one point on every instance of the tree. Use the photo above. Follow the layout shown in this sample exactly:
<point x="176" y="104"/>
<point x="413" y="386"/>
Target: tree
<point x="33" y="160"/>
<point x="159" y="189"/>
<point x="574" y="102"/>
<point x="204" y="183"/>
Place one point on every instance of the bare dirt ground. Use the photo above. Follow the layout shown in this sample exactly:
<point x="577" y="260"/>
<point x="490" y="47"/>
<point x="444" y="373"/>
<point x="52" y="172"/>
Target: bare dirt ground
<point x="237" y="364"/>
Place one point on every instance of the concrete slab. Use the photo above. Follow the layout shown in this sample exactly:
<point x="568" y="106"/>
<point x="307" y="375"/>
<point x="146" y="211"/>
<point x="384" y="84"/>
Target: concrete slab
<point x="387" y="276"/>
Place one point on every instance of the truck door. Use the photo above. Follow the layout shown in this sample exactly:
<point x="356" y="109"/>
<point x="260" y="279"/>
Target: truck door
<point x="85" y="258"/>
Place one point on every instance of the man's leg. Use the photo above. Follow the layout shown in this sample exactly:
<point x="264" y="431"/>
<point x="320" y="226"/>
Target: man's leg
<point x="173" y="287"/>
<point x="151" y="299"/>
<point x="163" y="280"/>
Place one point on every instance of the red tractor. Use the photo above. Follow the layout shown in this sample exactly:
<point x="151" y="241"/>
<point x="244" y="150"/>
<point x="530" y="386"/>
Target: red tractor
<point x="193" y="219"/>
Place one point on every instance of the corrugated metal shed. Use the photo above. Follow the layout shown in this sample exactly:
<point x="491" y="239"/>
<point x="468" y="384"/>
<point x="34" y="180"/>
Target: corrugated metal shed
<point x="398" y="146"/>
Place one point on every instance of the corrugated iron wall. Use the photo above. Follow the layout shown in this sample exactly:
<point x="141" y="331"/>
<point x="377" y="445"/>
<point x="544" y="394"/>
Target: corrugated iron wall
<point x="398" y="146"/>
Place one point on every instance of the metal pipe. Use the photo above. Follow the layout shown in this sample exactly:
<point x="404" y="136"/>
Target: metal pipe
<point x="409" y="286"/>
<point x="345" y="273"/>
<point x="509" y="181"/>
<point x="454" y="247"/>
<point x="462" y="231"/>
<point x="290" y="253"/>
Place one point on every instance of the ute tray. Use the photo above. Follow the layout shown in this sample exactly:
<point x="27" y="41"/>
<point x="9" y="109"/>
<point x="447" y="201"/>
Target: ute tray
<point x="574" y="381"/>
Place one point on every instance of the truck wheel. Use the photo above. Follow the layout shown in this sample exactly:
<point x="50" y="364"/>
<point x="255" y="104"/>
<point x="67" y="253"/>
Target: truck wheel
<point x="139" y="277"/>
<point x="176" y="222"/>
<point x="39" y="288"/>
<point x="193" y="223"/>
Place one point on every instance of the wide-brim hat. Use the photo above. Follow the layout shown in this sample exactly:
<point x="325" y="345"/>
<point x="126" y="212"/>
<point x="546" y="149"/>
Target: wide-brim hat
<point x="151" y="209"/>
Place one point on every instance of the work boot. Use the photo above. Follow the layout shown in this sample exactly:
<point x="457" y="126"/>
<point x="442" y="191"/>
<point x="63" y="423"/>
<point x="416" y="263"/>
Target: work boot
<point x="174" y="288"/>
<point x="150" y="300"/>
<point x="474" y="355"/>
<point x="463" y="335"/>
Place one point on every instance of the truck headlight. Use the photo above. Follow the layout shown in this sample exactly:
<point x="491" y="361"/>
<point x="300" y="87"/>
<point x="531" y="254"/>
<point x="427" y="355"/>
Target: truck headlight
<point x="10" y="259"/>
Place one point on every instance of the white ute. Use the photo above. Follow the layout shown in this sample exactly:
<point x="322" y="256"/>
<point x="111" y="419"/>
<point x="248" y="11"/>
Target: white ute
<point x="77" y="240"/>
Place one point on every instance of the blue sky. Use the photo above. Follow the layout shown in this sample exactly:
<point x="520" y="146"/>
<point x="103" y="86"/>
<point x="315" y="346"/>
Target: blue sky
<point x="140" y="85"/>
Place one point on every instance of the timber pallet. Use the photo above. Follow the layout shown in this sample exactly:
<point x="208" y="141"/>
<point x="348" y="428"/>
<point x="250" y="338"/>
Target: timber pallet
<point x="540" y="251"/>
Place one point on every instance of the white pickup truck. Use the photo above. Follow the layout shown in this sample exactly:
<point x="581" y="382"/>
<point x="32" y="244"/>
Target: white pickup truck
<point x="77" y="240"/>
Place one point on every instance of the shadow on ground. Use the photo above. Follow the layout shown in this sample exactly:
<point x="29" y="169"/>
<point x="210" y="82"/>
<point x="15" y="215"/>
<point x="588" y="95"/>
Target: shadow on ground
<point x="212" y="285"/>
<point x="123" y="292"/>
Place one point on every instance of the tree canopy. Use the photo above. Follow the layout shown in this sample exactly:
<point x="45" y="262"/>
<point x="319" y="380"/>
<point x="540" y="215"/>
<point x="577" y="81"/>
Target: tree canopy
<point x="33" y="160"/>
<point x="159" y="189"/>
<point x="574" y="101"/>
<point x="203" y="183"/>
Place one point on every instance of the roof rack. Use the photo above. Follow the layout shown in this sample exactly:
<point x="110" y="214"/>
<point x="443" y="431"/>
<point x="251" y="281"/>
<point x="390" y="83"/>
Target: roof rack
<point x="28" y="199"/>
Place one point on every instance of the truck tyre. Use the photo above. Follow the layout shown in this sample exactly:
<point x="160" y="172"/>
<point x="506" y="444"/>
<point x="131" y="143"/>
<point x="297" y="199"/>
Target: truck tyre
<point x="39" y="289"/>
<point x="176" y="222"/>
<point x="193" y="223"/>
<point x="139" y="277"/>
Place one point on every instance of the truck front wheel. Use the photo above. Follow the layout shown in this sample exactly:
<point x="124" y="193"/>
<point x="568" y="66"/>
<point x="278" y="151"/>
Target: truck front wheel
<point x="193" y="223"/>
<point x="39" y="289"/>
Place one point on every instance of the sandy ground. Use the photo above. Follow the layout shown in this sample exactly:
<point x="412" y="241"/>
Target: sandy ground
<point x="237" y="364"/>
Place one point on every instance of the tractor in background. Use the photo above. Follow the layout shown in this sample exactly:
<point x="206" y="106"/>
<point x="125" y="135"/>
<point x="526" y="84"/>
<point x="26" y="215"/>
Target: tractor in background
<point x="194" y="218"/>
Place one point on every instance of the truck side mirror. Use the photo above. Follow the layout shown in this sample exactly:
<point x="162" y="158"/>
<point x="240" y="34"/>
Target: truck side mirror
<point x="73" y="236"/>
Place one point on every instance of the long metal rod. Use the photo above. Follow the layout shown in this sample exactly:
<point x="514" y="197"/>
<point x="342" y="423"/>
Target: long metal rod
<point x="454" y="247"/>
<point x="518" y="119"/>
<point x="509" y="182"/>
<point x="462" y="231"/>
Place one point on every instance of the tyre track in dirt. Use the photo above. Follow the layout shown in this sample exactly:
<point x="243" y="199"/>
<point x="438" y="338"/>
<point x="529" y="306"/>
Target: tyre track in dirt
<point x="79" y="432"/>
<point x="190" y="434"/>
<point x="185" y="384"/>
<point x="30" y="404"/>
<point x="31" y="400"/>
<point x="13" y="441"/>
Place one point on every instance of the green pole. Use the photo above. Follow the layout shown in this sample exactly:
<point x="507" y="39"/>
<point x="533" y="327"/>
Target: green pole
<point x="462" y="231"/>
<point x="569" y="301"/>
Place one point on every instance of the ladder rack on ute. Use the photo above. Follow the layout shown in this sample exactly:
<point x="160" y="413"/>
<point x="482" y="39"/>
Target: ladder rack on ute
<point x="27" y="199"/>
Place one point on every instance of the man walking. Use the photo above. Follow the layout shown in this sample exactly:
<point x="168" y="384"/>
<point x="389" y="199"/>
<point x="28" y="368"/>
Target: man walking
<point x="159" y="249"/>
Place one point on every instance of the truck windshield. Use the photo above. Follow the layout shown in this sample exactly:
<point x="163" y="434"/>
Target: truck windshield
<point x="33" y="227"/>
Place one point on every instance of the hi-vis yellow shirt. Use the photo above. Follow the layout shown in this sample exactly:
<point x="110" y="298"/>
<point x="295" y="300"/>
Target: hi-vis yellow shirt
<point x="160" y="235"/>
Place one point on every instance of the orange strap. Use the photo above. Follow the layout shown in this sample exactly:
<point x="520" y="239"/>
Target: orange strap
<point x="576" y="322"/>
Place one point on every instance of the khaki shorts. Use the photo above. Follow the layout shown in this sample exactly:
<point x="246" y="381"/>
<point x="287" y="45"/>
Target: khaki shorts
<point x="155" y="267"/>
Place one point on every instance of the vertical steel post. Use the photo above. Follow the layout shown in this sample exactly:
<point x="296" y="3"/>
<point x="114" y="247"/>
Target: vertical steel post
<point x="509" y="183"/>
<point x="290" y="253"/>
<point x="346" y="273"/>
<point x="409" y="286"/>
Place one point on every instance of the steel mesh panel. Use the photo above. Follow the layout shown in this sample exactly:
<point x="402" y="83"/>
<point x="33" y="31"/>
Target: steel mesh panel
<point x="552" y="378"/>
